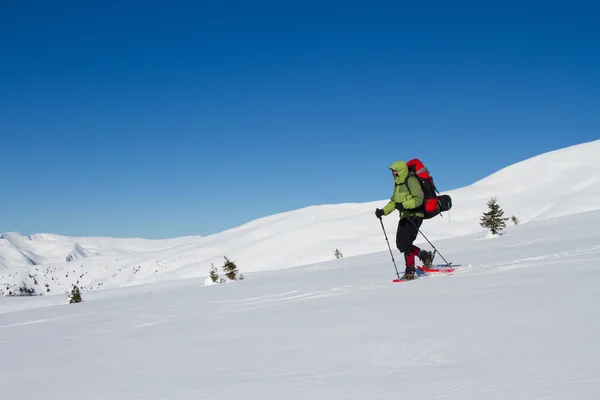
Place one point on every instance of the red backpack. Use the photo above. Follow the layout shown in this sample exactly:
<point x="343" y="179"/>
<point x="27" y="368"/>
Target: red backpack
<point x="432" y="203"/>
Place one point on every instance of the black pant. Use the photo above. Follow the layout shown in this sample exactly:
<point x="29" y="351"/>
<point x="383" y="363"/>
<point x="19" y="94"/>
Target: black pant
<point x="408" y="229"/>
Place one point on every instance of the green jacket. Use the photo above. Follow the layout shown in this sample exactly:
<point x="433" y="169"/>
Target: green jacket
<point x="411" y="197"/>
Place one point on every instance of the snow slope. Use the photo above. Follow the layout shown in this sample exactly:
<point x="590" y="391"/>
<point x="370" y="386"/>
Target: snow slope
<point x="558" y="183"/>
<point x="518" y="320"/>
<point x="42" y="248"/>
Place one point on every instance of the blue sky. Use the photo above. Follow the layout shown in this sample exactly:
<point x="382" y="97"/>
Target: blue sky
<point x="169" y="118"/>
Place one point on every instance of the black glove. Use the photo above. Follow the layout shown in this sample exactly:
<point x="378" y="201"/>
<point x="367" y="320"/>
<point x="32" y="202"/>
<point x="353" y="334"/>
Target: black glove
<point x="378" y="213"/>
<point x="399" y="207"/>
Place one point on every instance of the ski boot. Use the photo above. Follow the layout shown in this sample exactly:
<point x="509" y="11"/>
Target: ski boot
<point x="409" y="274"/>
<point x="426" y="257"/>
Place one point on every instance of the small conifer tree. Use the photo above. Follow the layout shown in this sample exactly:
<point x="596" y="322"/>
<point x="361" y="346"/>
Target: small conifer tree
<point x="214" y="275"/>
<point x="75" y="295"/>
<point x="493" y="219"/>
<point x="514" y="220"/>
<point x="230" y="269"/>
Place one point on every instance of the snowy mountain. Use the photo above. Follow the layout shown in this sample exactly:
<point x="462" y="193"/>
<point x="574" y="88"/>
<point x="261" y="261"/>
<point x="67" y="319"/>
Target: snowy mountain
<point x="39" y="249"/>
<point x="517" y="320"/>
<point x="559" y="183"/>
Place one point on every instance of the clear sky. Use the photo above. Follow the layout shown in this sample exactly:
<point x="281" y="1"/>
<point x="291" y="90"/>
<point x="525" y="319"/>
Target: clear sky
<point x="167" y="118"/>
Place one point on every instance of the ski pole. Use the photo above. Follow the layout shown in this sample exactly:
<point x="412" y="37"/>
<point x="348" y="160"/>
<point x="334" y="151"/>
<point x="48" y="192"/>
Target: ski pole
<point x="435" y="251"/>
<point x="388" y="243"/>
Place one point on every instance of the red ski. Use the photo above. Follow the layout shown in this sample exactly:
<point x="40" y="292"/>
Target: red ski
<point x="436" y="269"/>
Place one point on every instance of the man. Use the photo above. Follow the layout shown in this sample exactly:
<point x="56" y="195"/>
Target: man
<point x="407" y="198"/>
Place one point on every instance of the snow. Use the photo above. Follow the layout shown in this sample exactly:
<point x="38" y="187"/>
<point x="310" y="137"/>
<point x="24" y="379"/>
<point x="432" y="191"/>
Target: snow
<point x="559" y="183"/>
<point x="41" y="248"/>
<point x="517" y="320"/>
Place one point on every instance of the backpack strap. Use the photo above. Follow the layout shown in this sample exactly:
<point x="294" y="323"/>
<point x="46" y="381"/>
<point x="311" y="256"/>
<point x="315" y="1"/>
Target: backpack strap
<point x="405" y="183"/>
